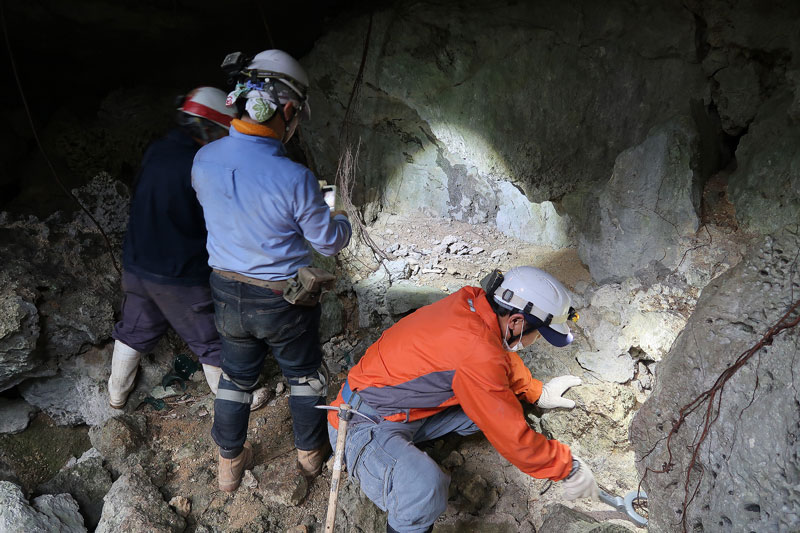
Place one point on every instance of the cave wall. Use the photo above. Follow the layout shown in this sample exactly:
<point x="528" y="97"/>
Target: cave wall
<point x="747" y="468"/>
<point x="471" y="109"/>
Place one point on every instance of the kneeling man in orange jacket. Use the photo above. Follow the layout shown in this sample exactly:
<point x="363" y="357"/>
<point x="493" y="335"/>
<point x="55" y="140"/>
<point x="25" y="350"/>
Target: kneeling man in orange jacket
<point x="452" y="367"/>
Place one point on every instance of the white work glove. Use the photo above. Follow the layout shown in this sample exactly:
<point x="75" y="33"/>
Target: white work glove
<point x="580" y="481"/>
<point x="553" y="389"/>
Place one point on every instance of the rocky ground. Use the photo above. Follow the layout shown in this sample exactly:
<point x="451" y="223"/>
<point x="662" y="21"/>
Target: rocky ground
<point x="164" y="461"/>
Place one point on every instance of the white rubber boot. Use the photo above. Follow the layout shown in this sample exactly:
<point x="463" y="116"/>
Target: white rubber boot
<point x="213" y="373"/>
<point x="124" y="364"/>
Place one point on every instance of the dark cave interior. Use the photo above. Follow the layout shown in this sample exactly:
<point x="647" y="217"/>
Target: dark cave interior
<point x="66" y="57"/>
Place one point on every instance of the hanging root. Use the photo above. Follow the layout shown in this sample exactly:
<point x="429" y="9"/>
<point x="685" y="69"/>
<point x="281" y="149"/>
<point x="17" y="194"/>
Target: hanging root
<point x="712" y="399"/>
<point x="348" y="158"/>
<point x="345" y="178"/>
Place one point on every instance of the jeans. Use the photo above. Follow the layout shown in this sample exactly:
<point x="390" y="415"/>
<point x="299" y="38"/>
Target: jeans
<point x="252" y="320"/>
<point x="396" y="475"/>
<point x="149" y="308"/>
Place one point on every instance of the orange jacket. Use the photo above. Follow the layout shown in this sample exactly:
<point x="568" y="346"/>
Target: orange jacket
<point x="451" y="353"/>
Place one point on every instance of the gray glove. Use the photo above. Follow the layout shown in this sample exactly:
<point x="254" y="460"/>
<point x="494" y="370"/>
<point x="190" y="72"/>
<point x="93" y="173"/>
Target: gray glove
<point x="553" y="389"/>
<point x="580" y="481"/>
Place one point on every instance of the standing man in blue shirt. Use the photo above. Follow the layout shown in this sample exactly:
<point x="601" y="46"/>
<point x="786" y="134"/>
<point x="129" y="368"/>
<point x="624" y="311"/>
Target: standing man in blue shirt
<point x="261" y="210"/>
<point x="164" y="258"/>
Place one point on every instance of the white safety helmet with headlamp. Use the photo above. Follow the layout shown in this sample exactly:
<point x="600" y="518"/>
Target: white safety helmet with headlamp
<point x="269" y="80"/>
<point x="542" y="299"/>
<point x="283" y="67"/>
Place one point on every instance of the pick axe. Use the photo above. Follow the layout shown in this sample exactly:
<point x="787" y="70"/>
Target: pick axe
<point x="345" y="413"/>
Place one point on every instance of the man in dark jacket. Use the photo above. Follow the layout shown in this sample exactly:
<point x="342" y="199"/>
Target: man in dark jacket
<point x="165" y="276"/>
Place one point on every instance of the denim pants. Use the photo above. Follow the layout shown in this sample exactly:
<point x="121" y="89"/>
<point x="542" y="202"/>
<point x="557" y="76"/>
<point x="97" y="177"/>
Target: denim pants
<point x="149" y="308"/>
<point x="252" y="320"/>
<point x="396" y="475"/>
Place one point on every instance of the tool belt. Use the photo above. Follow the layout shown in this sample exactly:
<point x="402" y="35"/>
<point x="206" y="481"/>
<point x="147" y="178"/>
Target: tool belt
<point x="277" y="286"/>
<point x="307" y="286"/>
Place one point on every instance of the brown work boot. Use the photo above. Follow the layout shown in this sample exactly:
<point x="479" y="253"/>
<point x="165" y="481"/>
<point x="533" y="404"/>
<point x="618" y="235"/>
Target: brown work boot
<point x="310" y="462"/>
<point x="232" y="470"/>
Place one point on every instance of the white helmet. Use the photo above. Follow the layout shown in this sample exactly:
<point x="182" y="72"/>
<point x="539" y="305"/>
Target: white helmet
<point x="542" y="299"/>
<point x="208" y="103"/>
<point x="280" y="66"/>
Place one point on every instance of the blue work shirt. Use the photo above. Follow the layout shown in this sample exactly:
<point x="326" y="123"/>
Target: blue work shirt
<point x="261" y="208"/>
<point x="166" y="237"/>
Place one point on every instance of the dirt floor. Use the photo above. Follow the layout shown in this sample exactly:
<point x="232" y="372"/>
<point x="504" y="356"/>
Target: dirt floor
<point x="180" y="434"/>
<point x="182" y="431"/>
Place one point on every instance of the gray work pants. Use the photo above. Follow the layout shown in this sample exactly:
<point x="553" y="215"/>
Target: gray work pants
<point x="396" y="475"/>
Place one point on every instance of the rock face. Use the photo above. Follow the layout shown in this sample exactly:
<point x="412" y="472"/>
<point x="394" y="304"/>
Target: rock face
<point x="15" y="415"/>
<point x="19" y="326"/>
<point x="767" y="179"/>
<point x="119" y="437"/>
<point x="86" y="481"/>
<point x="747" y="469"/>
<point x="448" y="140"/>
<point x="48" y="513"/>
<point x="647" y="208"/>
<point x="134" y="504"/>
<point x="58" y="285"/>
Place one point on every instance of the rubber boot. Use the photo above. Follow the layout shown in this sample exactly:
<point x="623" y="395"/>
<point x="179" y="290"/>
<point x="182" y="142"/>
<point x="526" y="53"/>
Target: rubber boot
<point x="231" y="470"/>
<point x="124" y="364"/>
<point x="310" y="461"/>
<point x="212" y="373"/>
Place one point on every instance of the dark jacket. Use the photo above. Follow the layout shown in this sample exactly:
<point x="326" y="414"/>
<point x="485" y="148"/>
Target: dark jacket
<point x="166" y="238"/>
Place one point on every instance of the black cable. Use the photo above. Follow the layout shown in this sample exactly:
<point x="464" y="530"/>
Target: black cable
<point x="39" y="142"/>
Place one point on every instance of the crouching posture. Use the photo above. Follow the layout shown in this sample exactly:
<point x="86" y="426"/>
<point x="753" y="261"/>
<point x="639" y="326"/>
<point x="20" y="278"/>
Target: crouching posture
<point x="451" y="367"/>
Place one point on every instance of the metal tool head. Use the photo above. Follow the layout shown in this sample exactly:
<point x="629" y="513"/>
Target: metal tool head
<point x="348" y="409"/>
<point x="625" y="505"/>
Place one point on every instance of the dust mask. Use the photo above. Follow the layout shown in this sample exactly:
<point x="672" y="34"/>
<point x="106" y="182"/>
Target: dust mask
<point x="517" y="347"/>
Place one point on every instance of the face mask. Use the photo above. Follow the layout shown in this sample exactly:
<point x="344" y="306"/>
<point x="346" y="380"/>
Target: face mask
<point x="517" y="347"/>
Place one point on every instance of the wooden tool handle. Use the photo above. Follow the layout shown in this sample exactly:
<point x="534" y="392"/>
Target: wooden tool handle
<point x="336" y="474"/>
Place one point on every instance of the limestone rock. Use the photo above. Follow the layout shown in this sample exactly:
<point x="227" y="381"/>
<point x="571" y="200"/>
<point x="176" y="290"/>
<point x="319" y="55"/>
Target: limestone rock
<point x="62" y="508"/>
<point x="356" y="510"/>
<point x="629" y="322"/>
<point x="402" y="298"/>
<point x="599" y="420"/>
<point x="87" y="481"/>
<point x="766" y="179"/>
<point x="134" y="504"/>
<point x="370" y="295"/>
<point x="19" y="329"/>
<point x="118" y="438"/>
<point x="562" y="519"/>
<point x="426" y="143"/>
<point x="56" y="277"/>
<point x="182" y="505"/>
<point x="15" y="415"/>
<point x="747" y="468"/>
<point x="7" y="473"/>
<point x="281" y="483"/>
<point x="737" y="93"/>
<point x="69" y="399"/>
<point x="48" y="513"/>
<point x="647" y="208"/>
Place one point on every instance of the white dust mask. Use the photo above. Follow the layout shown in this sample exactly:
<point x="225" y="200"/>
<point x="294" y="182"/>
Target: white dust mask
<point x="517" y="347"/>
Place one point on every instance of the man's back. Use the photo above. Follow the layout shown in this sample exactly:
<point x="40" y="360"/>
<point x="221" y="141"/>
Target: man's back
<point x="260" y="206"/>
<point x="166" y="235"/>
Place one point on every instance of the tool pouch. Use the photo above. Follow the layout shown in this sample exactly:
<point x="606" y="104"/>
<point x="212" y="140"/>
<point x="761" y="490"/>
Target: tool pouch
<point x="307" y="286"/>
